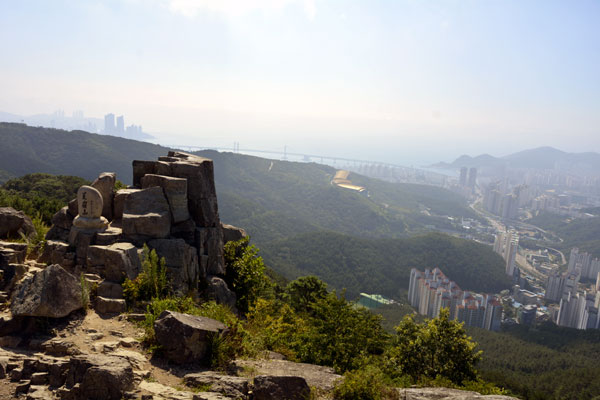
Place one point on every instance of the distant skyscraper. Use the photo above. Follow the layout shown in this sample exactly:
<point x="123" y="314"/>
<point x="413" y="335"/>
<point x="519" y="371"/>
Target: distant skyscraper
<point x="463" y="176"/>
<point x="109" y="124"/>
<point x="472" y="177"/>
<point x="555" y="286"/>
<point x="120" y="125"/>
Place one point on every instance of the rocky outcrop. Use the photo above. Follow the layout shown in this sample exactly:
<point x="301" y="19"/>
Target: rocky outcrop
<point x="218" y="291"/>
<point x="146" y="215"/>
<point x="232" y="233"/>
<point x="182" y="263"/>
<point x="186" y="338"/>
<point x="105" y="184"/>
<point x="446" y="394"/>
<point x="280" y="387"/>
<point x="15" y="223"/>
<point x="175" y="190"/>
<point x="115" y="262"/>
<point x="98" y="377"/>
<point x="232" y="386"/>
<point x="51" y="292"/>
<point x="172" y="208"/>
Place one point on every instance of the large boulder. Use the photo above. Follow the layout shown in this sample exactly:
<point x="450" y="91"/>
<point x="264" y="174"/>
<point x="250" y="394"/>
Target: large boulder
<point x="119" y="202"/>
<point x="62" y="222"/>
<point x="186" y="338"/>
<point x="232" y="386"/>
<point x="105" y="184"/>
<point x="280" y="387"/>
<point x="15" y="223"/>
<point x="51" y="292"/>
<point x="114" y="262"/>
<point x="218" y="291"/>
<point x="182" y="263"/>
<point x="176" y="192"/>
<point x="232" y="233"/>
<point x="146" y="213"/>
<point x="99" y="377"/>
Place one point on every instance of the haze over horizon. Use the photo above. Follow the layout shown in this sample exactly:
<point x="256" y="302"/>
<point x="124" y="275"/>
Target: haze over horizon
<point x="406" y="82"/>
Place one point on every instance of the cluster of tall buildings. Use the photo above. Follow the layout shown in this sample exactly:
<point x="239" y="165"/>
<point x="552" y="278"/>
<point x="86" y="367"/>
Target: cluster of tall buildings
<point x="577" y="308"/>
<point x="430" y="291"/>
<point x="468" y="177"/>
<point x="117" y="127"/>
<point x="507" y="245"/>
<point x="506" y="205"/>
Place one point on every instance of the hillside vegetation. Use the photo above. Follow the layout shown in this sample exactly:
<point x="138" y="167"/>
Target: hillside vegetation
<point x="277" y="199"/>
<point x="40" y="194"/>
<point x="27" y="149"/>
<point x="383" y="266"/>
<point x="583" y="233"/>
<point x="543" y="362"/>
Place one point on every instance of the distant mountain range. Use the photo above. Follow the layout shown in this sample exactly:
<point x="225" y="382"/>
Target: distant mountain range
<point x="538" y="158"/>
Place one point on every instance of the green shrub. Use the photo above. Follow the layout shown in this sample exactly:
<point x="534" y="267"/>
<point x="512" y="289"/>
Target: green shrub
<point x="85" y="291"/>
<point x="367" y="383"/>
<point x="151" y="282"/>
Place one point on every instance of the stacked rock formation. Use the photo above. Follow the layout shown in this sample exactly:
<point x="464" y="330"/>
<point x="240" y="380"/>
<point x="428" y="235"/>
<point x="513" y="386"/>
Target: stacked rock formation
<point x="172" y="207"/>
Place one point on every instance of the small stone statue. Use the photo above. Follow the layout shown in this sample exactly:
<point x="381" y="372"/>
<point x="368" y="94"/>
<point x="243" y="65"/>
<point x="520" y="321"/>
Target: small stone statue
<point x="89" y="202"/>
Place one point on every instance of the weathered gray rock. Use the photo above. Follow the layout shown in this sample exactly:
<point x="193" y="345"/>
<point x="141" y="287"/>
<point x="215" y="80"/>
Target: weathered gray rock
<point x="62" y="222"/>
<point x="119" y="202"/>
<point x="62" y="218"/>
<point x="115" y="262"/>
<point x="438" y="393"/>
<point x="11" y="274"/>
<point x="141" y="168"/>
<point x="12" y="253"/>
<point x="105" y="184"/>
<point x="209" y="242"/>
<point x="110" y="290"/>
<point x="218" y="291"/>
<point x="51" y="292"/>
<point x="182" y="263"/>
<point x="317" y="376"/>
<point x="81" y="240"/>
<point x="232" y="386"/>
<point x="185" y="230"/>
<point x="232" y="233"/>
<point x="185" y="338"/>
<point x="146" y="213"/>
<point x="99" y="377"/>
<point x="54" y="252"/>
<point x="105" y="305"/>
<point x="280" y="387"/>
<point x="90" y="205"/>
<point x="57" y="233"/>
<point x="175" y="191"/>
<point x="110" y="236"/>
<point x="15" y="223"/>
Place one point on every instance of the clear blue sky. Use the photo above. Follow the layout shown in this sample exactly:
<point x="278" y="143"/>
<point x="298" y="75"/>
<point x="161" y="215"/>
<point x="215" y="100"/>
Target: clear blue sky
<point x="399" y="80"/>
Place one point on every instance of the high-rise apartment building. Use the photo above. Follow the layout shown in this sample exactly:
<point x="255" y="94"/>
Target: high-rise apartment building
<point x="472" y="177"/>
<point x="430" y="291"/>
<point x="463" y="176"/>
<point x="109" y="124"/>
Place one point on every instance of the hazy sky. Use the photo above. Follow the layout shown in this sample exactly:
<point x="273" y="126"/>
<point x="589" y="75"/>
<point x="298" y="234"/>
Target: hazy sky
<point x="404" y="81"/>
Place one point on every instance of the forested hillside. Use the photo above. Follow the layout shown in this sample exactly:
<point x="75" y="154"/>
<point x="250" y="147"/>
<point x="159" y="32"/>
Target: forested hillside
<point x="583" y="233"/>
<point x="26" y="149"/>
<point x="542" y="362"/>
<point x="383" y="265"/>
<point x="277" y="199"/>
